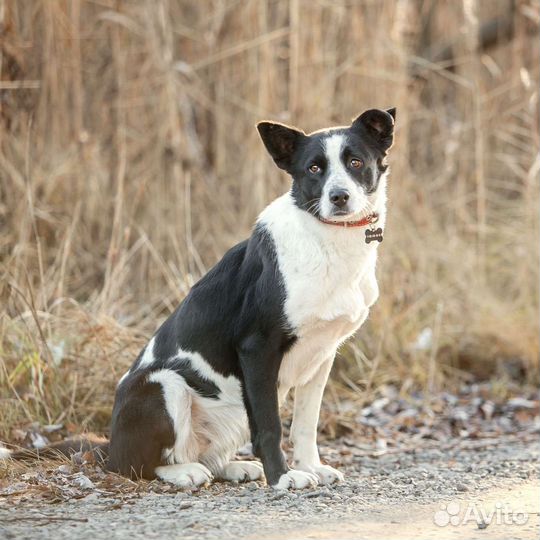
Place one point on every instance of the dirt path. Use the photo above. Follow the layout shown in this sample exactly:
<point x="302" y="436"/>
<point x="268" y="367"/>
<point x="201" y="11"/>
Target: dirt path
<point x="402" y="495"/>
<point x="428" y="522"/>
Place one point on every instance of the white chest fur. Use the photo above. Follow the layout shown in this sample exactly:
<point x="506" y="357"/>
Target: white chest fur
<point x="329" y="279"/>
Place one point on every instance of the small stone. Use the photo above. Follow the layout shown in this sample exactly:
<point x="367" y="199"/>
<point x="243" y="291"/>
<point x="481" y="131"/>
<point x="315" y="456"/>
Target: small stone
<point x="310" y="494"/>
<point x="521" y="403"/>
<point x="83" y="482"/>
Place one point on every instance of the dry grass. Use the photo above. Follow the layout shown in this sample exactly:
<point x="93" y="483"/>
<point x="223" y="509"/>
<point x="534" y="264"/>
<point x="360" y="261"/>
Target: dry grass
<point x="129" y="163"/>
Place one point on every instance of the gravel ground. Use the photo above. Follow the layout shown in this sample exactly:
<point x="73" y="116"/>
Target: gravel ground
<point x="382" y="491"/>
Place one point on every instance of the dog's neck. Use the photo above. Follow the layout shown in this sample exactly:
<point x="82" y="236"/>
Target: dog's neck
<point x="303" y="240"/>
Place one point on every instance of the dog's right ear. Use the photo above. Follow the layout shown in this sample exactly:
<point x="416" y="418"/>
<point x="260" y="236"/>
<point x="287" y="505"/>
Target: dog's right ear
<point x="281" y="141"/>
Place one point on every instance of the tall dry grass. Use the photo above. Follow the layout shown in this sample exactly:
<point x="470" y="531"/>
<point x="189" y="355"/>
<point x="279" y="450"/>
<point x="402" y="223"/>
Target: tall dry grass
<point x="129" y="163"/>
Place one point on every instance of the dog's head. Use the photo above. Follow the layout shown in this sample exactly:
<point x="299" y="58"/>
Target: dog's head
<point x="336" y="172"/>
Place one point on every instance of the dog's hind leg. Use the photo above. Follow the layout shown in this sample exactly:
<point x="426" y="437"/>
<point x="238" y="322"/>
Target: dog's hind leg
<point x="152" y="432"/>
<point x="224" y="425"/>
<point x="185" y="474"/>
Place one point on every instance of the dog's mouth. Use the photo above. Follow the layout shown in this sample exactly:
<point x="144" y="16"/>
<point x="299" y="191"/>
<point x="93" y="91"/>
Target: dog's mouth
<point x="344" y="215"/>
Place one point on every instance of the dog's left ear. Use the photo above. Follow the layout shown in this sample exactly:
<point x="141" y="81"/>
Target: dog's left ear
<point x="281" y="141"/>
<point x="379" y="124"/>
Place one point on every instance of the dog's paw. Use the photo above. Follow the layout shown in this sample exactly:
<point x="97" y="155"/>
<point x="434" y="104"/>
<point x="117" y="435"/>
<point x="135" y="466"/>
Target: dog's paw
<point x="296" y="480"/>
<point x="185" y="475"/>
<point x="242" y="471"/>
<point x="326" y="474"/>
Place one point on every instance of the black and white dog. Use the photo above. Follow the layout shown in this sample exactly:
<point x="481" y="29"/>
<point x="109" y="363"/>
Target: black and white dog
<point x="267" y="318"/>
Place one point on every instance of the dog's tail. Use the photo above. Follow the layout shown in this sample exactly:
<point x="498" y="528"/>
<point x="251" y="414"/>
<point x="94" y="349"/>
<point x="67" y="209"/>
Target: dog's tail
<point x="87" y="448"/>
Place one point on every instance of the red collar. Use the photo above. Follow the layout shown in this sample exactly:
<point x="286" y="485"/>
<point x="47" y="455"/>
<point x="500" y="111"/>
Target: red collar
<point x="368" y="220"/>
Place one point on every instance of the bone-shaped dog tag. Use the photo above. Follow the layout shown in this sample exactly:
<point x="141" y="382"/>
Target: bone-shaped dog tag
<point x="373" y="235"/>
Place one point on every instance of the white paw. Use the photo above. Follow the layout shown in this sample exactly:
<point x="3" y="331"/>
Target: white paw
<point x="296" y="480"/>
<point x="242" y="471"/>
<point x="4" y="453"/>
<point x="185" y="475"/>
<point x="326" y="474"/>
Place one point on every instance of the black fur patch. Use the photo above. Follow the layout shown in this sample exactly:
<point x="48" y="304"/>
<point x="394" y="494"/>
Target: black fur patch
<point x="193" y="378"/>
<point x="242" y="292"/>
<point x="165" y="347"/>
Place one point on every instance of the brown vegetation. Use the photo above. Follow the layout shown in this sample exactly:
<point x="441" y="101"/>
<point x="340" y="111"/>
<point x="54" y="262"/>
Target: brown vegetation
<point x="129" y="163"/>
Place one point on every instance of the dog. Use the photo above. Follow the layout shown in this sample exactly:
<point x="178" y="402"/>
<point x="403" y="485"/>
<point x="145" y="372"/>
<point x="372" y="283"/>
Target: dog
<point x="268" y="318"/>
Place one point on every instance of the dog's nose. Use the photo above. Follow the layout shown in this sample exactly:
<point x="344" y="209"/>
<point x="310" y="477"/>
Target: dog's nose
<point x="339" y="197"/>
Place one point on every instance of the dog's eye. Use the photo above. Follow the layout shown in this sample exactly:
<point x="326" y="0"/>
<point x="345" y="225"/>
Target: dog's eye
<point x="314" y="169"/>
<point x="355" y="163"/>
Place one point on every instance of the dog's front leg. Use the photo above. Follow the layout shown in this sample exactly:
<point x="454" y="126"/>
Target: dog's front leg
<point x="260" y="368"/>
<point x="307" y="404"/>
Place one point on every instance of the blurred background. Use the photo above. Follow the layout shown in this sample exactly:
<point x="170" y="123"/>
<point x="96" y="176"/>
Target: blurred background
<point x="129" y="163"/>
